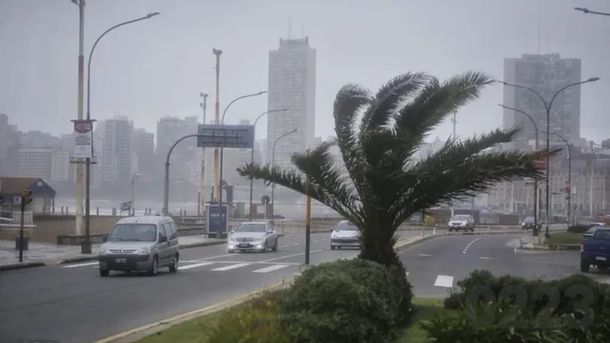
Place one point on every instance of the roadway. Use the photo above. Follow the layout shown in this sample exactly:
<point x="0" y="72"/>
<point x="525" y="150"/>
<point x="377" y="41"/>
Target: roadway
<point x="72" y="303"/>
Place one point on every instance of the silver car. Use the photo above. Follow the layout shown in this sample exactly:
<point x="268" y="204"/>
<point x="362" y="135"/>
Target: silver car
<point x="141" y="244"/>
<point x="345" y="234"/>
<point x="461" y="222"/>
<point x="258" y="236"/>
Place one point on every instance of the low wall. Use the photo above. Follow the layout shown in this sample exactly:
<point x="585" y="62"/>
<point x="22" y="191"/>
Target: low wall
<point x="48" y="227"/>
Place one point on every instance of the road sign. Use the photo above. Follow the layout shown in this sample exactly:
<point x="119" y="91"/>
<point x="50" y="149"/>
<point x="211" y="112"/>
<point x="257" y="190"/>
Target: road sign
<point x="228" y="136"/>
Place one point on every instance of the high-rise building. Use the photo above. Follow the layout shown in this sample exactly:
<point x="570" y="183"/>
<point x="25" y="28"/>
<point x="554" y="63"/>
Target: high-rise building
<point x="36" y="162"/>
<point x="292" y="86"/>
<point x="117" y="154"/>
<point x="169" y="130"/>
<point x="144" y="144"/>
<point x="60" y="167"/>
<point x="545" y="74"/>
<point x="9" y="147"/>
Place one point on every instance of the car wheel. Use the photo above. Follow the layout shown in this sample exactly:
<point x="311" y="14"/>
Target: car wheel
<point x="584" y="266"/>
<point x="602" y="267"/>
<point x="174" y="266"/>
<point x="104" y="272"/>
<point x="332" y="247"/>
<point x="264" y="249"/>
<point x="338" y="247"/>
<point x="450" y="230"/>
<point x="230" y="251"/>
<point x="154" y="267"/>
<point x="275" y="245"/>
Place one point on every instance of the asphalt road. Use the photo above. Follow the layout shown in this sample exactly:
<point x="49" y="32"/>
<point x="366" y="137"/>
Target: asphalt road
<point x="72" y="303"/>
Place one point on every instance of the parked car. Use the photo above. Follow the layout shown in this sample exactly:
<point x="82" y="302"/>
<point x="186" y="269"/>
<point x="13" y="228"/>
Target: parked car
<point x="595" y="250"/>
<point x="345" y="234"/>
<point x="461" y="222"/>
<point x="529" y="223"/>
<point x="258" y="236"/>
<point x="590" y="232"/>
<point x="141" y="244"/>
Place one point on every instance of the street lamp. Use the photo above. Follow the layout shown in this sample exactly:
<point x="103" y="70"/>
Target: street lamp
<point x="86" y="246"/>
<point x="569" y="188"/>
<point x="133" y="193"/>
<point x="587" y="11"/>
<point x="252" y="155"/>
<point x="201" y="207"/>
<point x="222" y="121"/>
<point x="535" y="231"/>
<point x="547" y="107"/>
<point x="273" y="165"/>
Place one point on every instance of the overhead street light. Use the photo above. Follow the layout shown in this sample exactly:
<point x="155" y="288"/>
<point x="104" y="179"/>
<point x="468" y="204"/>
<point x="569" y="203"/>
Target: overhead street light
<point x="222" y="121"/>
<point x="587" y="11"/>
<point x="86" y="246"/>
<point x="547" y="106"/>
<point x="252" y="156"/>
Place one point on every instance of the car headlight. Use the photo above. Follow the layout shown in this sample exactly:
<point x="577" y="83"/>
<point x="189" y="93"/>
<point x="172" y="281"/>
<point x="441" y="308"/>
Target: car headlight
<point x="333" y="235"/>
<point x="143" y="251"/>
<point x="103" y="250"/>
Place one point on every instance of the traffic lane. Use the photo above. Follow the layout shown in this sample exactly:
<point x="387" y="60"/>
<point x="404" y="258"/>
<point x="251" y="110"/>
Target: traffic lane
<point x="121" y="302"/>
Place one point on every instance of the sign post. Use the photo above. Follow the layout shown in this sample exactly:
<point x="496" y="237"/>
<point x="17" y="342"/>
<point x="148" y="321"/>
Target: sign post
<point x="216" y="220"/>
<point x="26" y="198"/>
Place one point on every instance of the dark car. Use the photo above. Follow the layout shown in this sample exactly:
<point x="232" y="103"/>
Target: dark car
<point x="529" y="223"/>
<point x="595" y="250"/>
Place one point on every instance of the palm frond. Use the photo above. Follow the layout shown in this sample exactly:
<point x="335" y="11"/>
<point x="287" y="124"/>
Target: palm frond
<point x="389" y="97"/>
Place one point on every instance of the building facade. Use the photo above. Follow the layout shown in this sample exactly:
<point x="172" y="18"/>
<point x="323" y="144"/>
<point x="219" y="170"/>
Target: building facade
<point x="292" y="86"/>
<point x="117" y="163"/>
<point x="545" y="74"/>
<point x="144" y="145"/>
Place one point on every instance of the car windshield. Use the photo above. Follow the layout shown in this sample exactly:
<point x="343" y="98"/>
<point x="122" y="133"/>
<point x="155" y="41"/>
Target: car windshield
<point x="528" y="220"/>
<point x="460" y="217"/>
<point x="346" y="226"/>
<point x="251" y="228"/>
<point x="133" y="233"/>
<point x="602" y="234"/>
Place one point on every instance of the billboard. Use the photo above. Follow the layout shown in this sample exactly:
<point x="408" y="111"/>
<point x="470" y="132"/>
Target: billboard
<point x="227" y="136"/>
<point x="83" y="138"/>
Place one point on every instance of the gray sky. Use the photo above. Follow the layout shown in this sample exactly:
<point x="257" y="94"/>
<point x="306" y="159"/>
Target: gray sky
<point x="158" y="67"/>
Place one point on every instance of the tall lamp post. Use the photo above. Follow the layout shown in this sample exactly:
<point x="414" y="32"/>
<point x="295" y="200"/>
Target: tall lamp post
<point x="133" y="193"/>
<point x="222" y="121"/>
<point x="201" y="209"/>
<point x="86" y="246"/>
<point x="273" y="165"/>
<point x="569" y="187"/>
<point x="535" y="231"/>
<point x="252" y="155"/>
<point x="547" y="106"/>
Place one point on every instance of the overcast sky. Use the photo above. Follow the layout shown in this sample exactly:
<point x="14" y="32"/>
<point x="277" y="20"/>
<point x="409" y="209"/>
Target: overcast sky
<point x="158" y="67"/>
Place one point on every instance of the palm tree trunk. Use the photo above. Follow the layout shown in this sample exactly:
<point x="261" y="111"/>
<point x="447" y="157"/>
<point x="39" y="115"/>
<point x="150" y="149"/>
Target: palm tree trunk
<point x="377" y="241"/>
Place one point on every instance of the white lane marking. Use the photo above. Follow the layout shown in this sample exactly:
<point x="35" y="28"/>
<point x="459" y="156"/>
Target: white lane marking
<point x="270" y="268"/>
<point x="233" y="266"/>
<point x="469" y="244"/>
<point x="486" y="258"/>
<point x="201" y="264"/>
<point x="444" y="281"/>
<point x="424" y="255"/>
<point x="190" y="261"/>
<point x="287" y="256"/>
<point x="81" y="265"/>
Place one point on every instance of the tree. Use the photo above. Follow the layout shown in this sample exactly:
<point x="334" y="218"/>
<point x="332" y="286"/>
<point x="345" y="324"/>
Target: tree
<point x="382" y="183"/>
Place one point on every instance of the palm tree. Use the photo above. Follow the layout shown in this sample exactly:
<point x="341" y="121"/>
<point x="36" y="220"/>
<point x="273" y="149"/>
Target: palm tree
<point x="381" y="183"/>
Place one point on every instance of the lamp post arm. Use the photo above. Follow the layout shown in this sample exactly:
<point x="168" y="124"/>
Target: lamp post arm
<point x="528" y="116"/>
<point x="564" y="88"/>
<point x="546" y="106"/>
<point x="224" y="113"/>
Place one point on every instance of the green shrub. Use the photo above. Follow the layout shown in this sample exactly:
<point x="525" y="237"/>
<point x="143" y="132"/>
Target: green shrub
<point x="346" y="301"/>
<point x="255" y="321"/>
<point x="582" y="303"/>
<point x="496" y="322"/>
<point x="579" y="228"/>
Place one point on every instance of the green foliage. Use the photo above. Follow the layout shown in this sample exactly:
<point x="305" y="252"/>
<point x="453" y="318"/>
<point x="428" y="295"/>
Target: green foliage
<point x="565" y="238"/>
<point x="577" y="305"/>
<point x="346" y="301"/>
<point x="494" y="322"/>
<point x="256" y="321"/>
<point x="579" y="228"/>
<point x="383" y="183"/>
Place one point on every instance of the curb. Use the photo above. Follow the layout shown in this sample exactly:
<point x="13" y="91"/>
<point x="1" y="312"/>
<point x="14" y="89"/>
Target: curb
<point x="136" y="334"/>
<point x="22" y="265"/>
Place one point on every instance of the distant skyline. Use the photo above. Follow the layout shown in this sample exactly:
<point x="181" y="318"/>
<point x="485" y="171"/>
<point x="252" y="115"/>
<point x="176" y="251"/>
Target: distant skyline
<point x="157" y="68"/>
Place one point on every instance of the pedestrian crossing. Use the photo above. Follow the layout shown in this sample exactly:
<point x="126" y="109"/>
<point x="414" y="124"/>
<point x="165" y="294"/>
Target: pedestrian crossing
<point x="262" y="267"/>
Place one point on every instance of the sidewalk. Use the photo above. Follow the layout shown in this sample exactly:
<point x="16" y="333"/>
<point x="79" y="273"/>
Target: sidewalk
<point x="40" y="254"/>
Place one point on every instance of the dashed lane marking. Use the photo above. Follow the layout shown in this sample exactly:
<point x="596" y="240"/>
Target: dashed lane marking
<point x="424" y="255"/>
<point x="230" y="267"/>
<point x="486" y="258"/>
<point x="270" y="268"/>
<point x="200" y="264"/>
<point x="469" y="244"/>
<point x="444" y="281"/>
<point x="81" y="265"/>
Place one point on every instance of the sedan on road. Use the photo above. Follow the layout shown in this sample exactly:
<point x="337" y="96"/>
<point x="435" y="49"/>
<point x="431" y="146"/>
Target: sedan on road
<point x="257" y="236"/>
<point x="345" y="234"/>
<point x="461" y="222"/>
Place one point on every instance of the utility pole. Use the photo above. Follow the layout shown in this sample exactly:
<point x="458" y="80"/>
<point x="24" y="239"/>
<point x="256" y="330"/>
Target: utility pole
<point x="454" y="121"/>
<point x="78" y="177"/>
<point x="217" y="181"/>
<point x="203" y="105"/>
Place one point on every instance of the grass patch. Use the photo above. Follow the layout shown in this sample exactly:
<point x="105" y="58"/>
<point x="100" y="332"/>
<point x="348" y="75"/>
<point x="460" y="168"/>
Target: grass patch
<point x="425" y="309"/>
<point x="565" y="238"/>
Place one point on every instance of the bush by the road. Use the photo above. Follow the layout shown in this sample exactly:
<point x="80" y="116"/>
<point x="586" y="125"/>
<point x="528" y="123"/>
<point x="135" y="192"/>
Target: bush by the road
<point x="577" y="305"/>
<point x="579" y="228"/>
<point x="255" y="321"/>
<point x="346" y="301"/>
